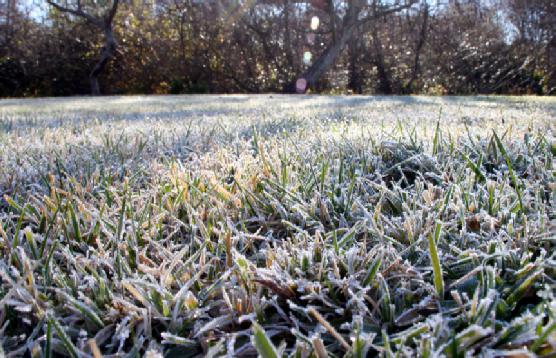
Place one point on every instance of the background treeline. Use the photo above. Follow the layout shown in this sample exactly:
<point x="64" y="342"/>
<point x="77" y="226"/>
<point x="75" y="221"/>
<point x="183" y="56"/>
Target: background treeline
<point x="53" y="48"/>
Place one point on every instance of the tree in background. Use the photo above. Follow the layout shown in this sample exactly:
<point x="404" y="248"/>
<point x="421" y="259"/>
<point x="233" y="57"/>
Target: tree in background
<point x="101" y="16"/>
<point x="253" y="46"/>
<point x="14" y="25"/>
<point x="535" y="24"/>
<point x="356" y="13"/>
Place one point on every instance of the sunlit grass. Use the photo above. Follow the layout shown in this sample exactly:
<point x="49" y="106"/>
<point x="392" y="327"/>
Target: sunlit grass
<point x="287" y="226"/>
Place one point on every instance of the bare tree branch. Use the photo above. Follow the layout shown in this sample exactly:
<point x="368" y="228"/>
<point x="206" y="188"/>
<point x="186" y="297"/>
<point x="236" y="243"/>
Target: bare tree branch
<point x="384" y="12"/>
<point x="77" y="12"/>
<point x="112" y="11"/>
<point x="103" y="23"/>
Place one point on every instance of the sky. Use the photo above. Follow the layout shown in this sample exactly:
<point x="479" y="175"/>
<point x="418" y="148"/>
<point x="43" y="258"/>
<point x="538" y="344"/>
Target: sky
<point x="36" y="8"/>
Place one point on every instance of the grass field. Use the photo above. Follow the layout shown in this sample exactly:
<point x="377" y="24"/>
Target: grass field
<point x="279" y="226"/>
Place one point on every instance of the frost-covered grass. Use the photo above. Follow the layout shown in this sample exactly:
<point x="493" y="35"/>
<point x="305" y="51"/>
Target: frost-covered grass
<point x="288" y="226"/>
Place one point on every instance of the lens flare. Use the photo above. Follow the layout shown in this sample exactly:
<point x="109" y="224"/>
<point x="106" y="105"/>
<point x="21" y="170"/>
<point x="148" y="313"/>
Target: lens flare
<point x="307" y="56"/>
<point x="315" y="23"/>
<point x="301" y="85"/>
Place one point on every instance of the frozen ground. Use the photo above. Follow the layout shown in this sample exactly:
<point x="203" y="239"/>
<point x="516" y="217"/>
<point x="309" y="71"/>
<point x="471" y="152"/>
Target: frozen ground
<point x="340" y="224"/>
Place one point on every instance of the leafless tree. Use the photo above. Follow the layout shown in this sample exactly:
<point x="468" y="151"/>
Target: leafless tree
<point x="416" y="69"/>
<point x="198" y="46"/>
<point x="102" y="19"/>
<point x="357" y="14"/>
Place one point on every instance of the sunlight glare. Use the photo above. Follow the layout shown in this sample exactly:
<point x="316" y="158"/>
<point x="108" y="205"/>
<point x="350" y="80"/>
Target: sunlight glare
<point x="301" y="85"/>
<point x="307" y="56"/>
<point x="315" y="23"/>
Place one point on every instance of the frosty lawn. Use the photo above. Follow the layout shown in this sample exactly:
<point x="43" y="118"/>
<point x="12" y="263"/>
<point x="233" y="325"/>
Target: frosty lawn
<point x="279" y="226"/>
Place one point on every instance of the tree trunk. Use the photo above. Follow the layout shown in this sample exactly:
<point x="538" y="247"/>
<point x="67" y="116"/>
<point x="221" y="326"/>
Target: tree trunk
<point x="408" y="88"/>
<point x="355" y="78"/>
<point x="107" y="52"/>
<point x="384" y="82"/>
<point x="310" y="77"/>
<point x="323" y="63"/>
<point x="551" y="61"/>
<point x="350" y="22"/>
<point x="105" y="24"/>
<point x="287" y="36"/>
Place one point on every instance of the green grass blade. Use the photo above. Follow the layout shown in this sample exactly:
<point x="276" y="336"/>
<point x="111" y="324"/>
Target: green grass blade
<point x="262" y="343"/>
<point x="474" y="167"/>
<point x="510" y="169"/>
<point x="436" y="137"/>
<point x="48" y="341"/>
<point x="437" y="269"/>
<point x="372" y="272"/>
<point x="70" y="348"/>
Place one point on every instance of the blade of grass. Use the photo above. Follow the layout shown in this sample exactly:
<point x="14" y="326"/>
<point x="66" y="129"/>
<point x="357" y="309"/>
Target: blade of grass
<point x="372" y="271"/>
<point x="510" y="169"/>
<point x="70" y="348"/>
<point x="262" y="343"/>
<point x="437" y="269"/>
